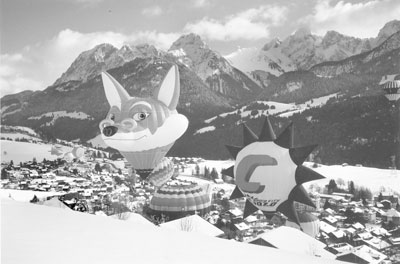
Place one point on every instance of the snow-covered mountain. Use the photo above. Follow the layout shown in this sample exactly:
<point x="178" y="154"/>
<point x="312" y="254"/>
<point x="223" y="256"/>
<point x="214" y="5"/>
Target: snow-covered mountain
<point x="195" y="54"/>
<point x="211" y="67"/>
<point x="271" y="60"/>
<point x="302" y="50"/>
<point x="104" y="57"/>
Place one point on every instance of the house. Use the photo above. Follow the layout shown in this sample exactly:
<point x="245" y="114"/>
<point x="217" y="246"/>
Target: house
<point x="326" y="228"/>
<point x="292" y="240"/>
<point x="340" y="248"/>
<point x="376" y="243"/>
<point x="357" y="226"/>
<point x="337" y="235"/>
<point x="393" y="216"/>
<point x="362" y="254"/>
<point x="330" y="220"/>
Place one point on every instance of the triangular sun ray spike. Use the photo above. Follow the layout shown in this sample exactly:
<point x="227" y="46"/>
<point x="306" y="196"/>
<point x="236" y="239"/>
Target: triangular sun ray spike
<point x="228" y="171"/>
<point x="267" y="132"/>
<point x="287" y="208"/>
<point x="248" y="136"/>
<point x="299" y="194"/>
<point x="236" y="194"/>
<point x="233" y="150"/>
<point x="249" y="209"/>
<point x="304" y="174"/>
<point x="285" y="139"/>
<point x="300" y="154"/>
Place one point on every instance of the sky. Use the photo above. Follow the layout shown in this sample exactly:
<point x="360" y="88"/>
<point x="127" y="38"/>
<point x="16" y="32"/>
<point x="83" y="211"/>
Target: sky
<point x="39" y="39"/>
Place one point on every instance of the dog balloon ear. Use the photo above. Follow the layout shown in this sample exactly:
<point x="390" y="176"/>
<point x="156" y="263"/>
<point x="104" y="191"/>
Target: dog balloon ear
<point x="115" y="93"/>
<point x="168" y="92"/>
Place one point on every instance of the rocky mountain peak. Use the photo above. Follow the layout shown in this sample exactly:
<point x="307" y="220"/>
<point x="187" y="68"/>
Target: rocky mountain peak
<point x="302" y="32"/>
<point x="189" y="42"/>
<point x="388" y="29"/>
<point x="88" y="63"/>
<point x="274" y="43"/>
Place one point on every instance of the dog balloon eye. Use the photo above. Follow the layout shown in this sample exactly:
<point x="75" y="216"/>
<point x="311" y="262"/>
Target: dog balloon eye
<point x="112" y="117"/>
<point x="140" y="116"/>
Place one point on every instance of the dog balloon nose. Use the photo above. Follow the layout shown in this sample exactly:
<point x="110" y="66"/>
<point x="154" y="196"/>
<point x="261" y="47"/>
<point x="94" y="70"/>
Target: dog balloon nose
<point x="109" y="131"/>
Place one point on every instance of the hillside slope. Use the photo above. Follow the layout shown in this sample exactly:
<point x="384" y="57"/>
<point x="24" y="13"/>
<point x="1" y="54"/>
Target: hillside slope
<point x="54" y="235"/>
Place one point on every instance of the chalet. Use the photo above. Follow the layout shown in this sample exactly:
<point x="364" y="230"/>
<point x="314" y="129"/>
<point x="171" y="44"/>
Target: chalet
<point x="340" y="248"/>
<point x="362" y="254"/>
<point x="292" y="240"/>
<point x="393" y="216"/>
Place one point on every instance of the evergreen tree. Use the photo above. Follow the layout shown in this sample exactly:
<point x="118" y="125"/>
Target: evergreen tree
<point x="97" y="167"/>
<point x="380" y="197"/>
<point x="327" y="205"/>
<point x="197" y="168"/>
<point x="214" y="174"/>
<point x="332" y="186"/>
<point x="206" y="172"/>
<point x="11" y="163"/>
<point x="4" y="174"/>
<point x="119" y="171"/>
<point x="34" y="162"/>
<point x="351" y="187"/>
<point x="34" y="199"/>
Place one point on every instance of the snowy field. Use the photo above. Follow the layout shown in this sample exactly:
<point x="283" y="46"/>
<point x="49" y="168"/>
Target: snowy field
<point x="14" y="136"/>
<point x="24" y="151"/>
<point x="371" y="178"/>
<point x="26" y="195"/>
<point x="41" y="234"/>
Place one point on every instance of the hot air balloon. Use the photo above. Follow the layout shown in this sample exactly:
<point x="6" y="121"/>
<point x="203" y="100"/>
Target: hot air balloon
<point x="56" y="150"/>
<point x="143" y="129"/>
<point x="392" y="90"/>
<point x="308" y="223"/>
<point x="78" y="152"/>
<point x="162" y="173"/>
<point x="68" y="157"/>
<point x="268" y="171"/>
<point x="178" y="198"/>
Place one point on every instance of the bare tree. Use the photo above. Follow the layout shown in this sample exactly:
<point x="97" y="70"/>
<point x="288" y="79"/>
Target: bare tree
<point x="187" y="224"/>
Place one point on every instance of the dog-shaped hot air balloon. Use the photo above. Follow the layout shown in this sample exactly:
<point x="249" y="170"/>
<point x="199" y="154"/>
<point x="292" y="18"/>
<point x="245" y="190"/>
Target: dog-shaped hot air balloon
<point x="143" y="129"/>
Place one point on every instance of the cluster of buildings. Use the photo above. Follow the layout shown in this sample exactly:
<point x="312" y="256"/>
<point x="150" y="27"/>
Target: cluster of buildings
<point x="338" y="228"/>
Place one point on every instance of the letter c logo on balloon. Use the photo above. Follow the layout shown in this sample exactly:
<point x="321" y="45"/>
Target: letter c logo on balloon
<point x="245" y="169"/>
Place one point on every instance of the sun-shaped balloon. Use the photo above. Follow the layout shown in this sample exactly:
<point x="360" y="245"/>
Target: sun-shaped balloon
<point x="268" y="171"/>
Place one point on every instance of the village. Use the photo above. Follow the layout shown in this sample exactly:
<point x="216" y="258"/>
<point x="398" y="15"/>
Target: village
<point x="341" y="226"/>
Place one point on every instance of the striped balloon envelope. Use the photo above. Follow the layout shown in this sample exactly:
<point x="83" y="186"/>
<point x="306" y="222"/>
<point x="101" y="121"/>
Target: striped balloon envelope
<point x="180" y="198"/>
<point x="392" y="90"/>
<point x="162" y="173"/>
<point x="309" y="224"/>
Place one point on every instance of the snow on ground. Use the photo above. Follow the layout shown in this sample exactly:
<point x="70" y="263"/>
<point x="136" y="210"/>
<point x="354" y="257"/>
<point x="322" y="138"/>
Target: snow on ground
<point x="251" y="59"/>
<point x="205" y="129"/>
<point x="274" y="108"/>
<point x="316" y="102"/>
<point x="59" y="114"/>
<point x="11" y="112"/>
<point x="24" y="151"/>
<point x="98" y="141"/>
<point x="26" y="195"/>
<point x="41" y="234"/>
<point x="217" y="164"/>
<point x="27" y="130"/>
<point x="13" y="136"/>
<point x="371" y="178"/>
